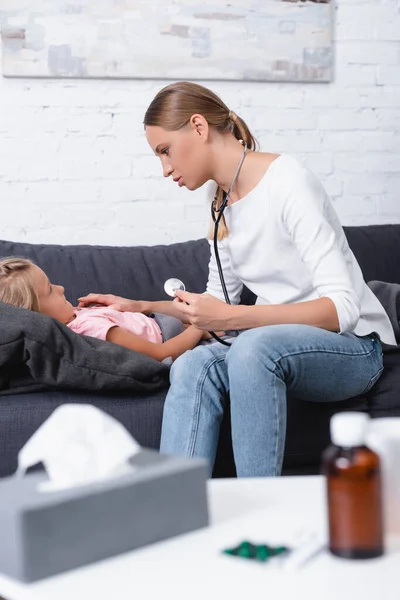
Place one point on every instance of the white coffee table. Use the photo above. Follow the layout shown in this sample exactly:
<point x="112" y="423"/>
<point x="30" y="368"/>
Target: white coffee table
<point x="192" y="566"/>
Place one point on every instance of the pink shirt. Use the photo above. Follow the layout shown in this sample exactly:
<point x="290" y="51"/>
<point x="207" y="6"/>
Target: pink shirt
<point x="97" y="321"/>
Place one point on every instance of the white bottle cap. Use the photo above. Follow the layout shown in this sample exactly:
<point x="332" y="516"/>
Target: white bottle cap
<point x="349" y="429"/>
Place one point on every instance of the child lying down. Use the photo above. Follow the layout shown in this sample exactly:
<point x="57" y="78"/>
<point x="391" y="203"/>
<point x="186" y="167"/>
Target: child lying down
<point x="24" y="284"/>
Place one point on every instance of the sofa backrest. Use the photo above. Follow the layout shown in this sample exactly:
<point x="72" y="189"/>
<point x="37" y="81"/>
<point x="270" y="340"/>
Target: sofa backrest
<point x="140" y="271"/>
<point x="134" y="272"/>
<point x="377" y="249"/>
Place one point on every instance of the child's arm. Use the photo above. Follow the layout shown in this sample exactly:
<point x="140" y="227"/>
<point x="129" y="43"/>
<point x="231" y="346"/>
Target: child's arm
<point x="173" y="347"/>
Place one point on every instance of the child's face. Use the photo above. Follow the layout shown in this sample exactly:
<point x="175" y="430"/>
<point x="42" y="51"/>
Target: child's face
<point x="52" y="301"/>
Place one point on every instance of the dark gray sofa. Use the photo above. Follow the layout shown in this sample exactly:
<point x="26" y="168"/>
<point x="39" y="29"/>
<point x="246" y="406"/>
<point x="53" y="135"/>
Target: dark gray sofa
<point x="139" y="272"/>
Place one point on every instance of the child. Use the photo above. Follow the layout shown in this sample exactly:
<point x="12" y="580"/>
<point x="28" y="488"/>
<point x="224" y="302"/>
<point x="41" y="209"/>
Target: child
<point x="24" y="284"/>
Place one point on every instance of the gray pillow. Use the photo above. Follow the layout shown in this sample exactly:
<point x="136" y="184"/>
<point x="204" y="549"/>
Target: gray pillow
<point x="388" y="295"/>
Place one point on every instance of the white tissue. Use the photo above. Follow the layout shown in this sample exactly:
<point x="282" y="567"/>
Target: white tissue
<point x="78" y="444"/>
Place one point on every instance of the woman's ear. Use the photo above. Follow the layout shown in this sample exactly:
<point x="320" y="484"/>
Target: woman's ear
<point x="200" y="126"/>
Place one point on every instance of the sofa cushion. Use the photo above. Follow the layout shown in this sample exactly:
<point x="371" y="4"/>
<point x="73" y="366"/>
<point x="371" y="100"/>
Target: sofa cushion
<point x="22" y="415"/>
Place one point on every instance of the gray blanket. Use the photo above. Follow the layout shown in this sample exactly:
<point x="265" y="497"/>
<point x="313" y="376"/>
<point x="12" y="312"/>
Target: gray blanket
<point x="170" y="327"/>
<point x="37" y="352"/>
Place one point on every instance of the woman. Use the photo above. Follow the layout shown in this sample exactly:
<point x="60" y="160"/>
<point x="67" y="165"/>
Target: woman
<point x="316" y="329"/>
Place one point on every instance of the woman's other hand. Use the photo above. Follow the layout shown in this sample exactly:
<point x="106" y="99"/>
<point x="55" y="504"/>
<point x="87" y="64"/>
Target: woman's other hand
<point x="115" y="302"/>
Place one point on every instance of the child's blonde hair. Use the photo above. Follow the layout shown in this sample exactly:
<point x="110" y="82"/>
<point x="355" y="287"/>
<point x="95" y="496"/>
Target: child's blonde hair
<point x="16" y="283"/>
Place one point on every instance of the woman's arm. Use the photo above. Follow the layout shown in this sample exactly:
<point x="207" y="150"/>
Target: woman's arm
<point x="173" y="347"/>
<point x="170" y="307"/>
<point x="206" y="312"/>
<point x="315" y="231"/>
<point x="309" y="220"/>
<point x="318" y="313"/>
<point x="166" y="307"/>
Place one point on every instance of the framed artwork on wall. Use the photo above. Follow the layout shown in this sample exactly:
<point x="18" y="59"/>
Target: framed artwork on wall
<point x="242" y="40"/>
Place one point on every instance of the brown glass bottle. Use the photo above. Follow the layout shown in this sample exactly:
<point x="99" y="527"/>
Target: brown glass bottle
<point x="354" y="490"/>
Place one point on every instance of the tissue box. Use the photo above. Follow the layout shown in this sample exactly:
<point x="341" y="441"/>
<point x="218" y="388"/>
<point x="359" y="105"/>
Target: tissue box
<point x="44" y="533"/>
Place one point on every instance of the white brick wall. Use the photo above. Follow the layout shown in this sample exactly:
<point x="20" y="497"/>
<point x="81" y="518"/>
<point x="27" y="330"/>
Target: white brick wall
<point x="75" y="166"/>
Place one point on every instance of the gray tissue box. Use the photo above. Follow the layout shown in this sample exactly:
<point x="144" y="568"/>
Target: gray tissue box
<point x="44" y="533"/>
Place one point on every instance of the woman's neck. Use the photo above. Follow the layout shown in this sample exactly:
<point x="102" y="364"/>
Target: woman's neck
<point x="227" y="156"/>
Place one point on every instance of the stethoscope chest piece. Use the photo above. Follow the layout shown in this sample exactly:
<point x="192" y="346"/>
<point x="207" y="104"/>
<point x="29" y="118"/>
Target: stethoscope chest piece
<point x="173" y="284"/>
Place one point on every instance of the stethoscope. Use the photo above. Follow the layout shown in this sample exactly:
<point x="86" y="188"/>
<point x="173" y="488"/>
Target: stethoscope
<point x="173" y="284"/>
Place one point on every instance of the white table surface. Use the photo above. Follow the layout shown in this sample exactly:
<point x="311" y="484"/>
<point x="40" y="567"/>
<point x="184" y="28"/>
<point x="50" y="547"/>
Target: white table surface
<point x="192" y="566"/>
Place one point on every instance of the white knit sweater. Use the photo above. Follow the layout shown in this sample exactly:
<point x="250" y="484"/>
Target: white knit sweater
<point x="286" y="245"/>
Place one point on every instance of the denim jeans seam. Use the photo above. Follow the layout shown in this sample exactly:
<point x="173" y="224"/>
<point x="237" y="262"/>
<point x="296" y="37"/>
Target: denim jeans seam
<point x="363" y="354"/>
<point x="276" y="428"/>
<point x="314" y="350"/>
<point x="197" y="404"/>
<point x="374" y="379"/>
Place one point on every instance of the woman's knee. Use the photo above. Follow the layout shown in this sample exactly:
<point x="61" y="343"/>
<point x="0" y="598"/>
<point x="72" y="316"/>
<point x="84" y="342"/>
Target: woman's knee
<point x="254" y="340"/>
<point x="184" y="364"/>
<point x="192" y="363"/>
<point x="269" y="342"/>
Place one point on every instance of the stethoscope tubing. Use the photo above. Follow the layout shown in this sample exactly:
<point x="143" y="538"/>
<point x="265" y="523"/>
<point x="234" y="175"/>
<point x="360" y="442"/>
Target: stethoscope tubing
<point x="220" y="211"/>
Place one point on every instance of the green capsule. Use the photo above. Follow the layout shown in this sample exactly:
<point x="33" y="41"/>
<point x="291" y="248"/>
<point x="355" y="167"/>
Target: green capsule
<point x="261" y="552"/>
<point x="246" y="550"/>
<point x="281" y="549"/>
<point x="230" y="551"/>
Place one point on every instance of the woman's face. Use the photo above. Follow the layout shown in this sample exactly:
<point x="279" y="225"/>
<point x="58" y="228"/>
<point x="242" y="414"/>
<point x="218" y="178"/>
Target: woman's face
<point x="184" y="154"/>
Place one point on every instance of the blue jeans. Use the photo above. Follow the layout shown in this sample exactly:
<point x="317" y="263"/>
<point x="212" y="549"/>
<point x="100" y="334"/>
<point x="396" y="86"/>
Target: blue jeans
<point x="254" y="375"/>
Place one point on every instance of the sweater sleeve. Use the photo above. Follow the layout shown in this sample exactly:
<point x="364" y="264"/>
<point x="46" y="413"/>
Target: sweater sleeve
<point x="232" y="282"/>
<point x="305" y="209"/>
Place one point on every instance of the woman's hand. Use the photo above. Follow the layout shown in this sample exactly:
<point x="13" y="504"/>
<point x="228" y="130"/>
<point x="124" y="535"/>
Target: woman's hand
<point x="115" y="302"/>
<point x="203" y="311"/>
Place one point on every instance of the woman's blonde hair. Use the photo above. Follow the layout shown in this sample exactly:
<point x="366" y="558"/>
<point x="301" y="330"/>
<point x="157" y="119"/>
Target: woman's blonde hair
<point x="16" y="283"/>
<point x="173" y="107"/>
